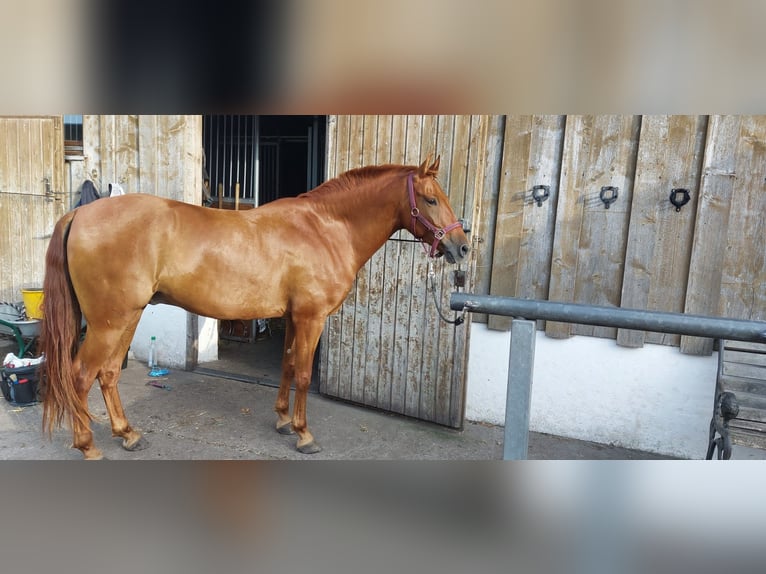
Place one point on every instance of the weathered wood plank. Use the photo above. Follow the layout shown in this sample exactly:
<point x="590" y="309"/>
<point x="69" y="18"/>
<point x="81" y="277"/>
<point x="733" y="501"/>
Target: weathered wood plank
<point x="569" y="214"/>
<point x="374" y="276"/>
<point x="408" y="308"/>
<point x="660" y="238"/>
<point x="327" y="359"/>
<point x="107" y="164"/>
<point x="752" y="384"/>
<point x="745" y="346"/>
<point x="385" y="260"/>
<point x="743" y="281"/>
<point x="329" y="344"/>
<point x="91" y="125"/>
<point x="448" y="398"/>
<point x="751" y="370"/>
<point x="31" y="153"/>
<point x="355" y="331"/>
<point x="524" y="229"/>
<point x="477" y="147"/>
<point x="345" y="339"/>
<point x="401" y="282"/>
<point x="589" y="239"/>
<point x="7" y="233"/>
<point x="391" y="151"/>
<point x="483" y="234"/>
<point x="388" y="356"/>
<point x="421" y="391"/>
<point x="127" y="154"/>
<point x="719" y="179"/>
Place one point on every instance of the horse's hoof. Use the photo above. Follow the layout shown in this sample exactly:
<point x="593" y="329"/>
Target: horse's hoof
<point x="286" y="429"/>
<point x="140" y="444"/>
<point x="309" y="448"/>
<point x="91" y="453"/>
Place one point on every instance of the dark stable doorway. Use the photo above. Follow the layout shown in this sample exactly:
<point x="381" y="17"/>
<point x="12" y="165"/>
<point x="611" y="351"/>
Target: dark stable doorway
<point x="249" y="161"/>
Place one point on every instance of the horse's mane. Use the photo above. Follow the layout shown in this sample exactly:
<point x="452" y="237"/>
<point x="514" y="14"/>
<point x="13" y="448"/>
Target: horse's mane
<point x="355" y="177"/>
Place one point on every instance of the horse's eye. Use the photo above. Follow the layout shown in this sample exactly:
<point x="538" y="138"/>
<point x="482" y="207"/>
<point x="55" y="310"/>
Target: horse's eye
<point x="431" y="200"/>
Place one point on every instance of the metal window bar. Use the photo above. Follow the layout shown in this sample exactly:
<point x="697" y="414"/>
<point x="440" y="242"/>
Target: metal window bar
<point x="73" y="138"/>
<point x="522" y="348"/>
<point x="231" y="149"/>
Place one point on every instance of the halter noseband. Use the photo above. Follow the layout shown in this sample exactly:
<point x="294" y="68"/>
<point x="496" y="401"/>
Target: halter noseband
<point x="416" y="215"/>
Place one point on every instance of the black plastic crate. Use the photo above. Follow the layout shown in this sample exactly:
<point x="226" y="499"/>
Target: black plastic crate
<point x="19" y="385"/>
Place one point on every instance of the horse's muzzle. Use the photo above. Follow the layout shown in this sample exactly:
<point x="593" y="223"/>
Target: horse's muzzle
<point x="457" y="251"/>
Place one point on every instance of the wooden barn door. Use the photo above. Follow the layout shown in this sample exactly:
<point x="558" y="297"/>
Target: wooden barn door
<point x="727" y="274"/>
<point x="31" y="198"/>
<point x="387" y="347"/>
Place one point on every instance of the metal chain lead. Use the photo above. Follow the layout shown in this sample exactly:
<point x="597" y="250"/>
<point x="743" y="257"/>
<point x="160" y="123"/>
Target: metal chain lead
<point x="459" y="319"/>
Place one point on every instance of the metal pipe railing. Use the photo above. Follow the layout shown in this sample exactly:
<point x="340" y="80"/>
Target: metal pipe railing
<point x="523" y="331"/>
<point x="656" y="321"/>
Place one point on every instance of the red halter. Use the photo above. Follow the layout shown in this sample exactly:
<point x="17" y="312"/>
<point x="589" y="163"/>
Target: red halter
<point x="416" y="215"/>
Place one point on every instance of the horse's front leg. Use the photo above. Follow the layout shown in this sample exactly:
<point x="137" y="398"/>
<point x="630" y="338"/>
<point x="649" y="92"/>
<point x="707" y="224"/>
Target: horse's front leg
<point x="282" y="406"/>
<point x="307" y="333"/>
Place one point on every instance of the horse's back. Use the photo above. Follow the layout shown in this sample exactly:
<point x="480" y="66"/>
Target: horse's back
<point x="151" y="249"/>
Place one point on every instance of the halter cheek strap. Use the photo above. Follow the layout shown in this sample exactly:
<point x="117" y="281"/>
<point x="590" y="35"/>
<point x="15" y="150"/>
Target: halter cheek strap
<point x="439" y="233"/>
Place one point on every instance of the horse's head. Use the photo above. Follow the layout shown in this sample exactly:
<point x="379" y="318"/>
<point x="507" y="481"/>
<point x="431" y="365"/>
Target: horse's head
<point x="432" y="218"/>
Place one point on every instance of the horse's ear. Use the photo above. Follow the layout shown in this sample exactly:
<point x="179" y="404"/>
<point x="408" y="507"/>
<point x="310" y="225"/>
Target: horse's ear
<point x="423" y="169"/>
<point x="426" y="170"/>
<point x="434" y="169"/>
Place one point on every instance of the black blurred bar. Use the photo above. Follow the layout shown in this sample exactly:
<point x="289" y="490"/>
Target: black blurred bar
<point x="176" y="56"/>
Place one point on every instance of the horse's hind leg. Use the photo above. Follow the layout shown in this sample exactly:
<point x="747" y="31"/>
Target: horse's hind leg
<point x="282" y="406"/>
<point x="88" y="365"/>
<point x="109" y="376"/>
<point x="101" y="356"/>
<point x="82" y="436"/>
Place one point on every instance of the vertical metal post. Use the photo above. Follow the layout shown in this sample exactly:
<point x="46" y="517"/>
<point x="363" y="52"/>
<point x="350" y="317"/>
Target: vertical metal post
<point x="520" y="367"/>
<point x="215" y="181"/>
<point x="245" y="180"/>
<point x="309" y="159"/>
<point x="256" y="161"/>
<point x="315" y="154"/>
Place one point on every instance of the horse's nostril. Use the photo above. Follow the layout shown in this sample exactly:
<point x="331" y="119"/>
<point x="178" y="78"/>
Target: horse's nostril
<point x="464" y="249"/>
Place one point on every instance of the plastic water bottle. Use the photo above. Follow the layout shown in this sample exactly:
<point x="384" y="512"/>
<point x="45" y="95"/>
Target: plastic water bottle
<point x="154" y="369"/>
<point x="152" y="362"/>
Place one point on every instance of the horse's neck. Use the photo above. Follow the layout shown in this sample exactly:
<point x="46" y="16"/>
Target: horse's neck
<point x="373" y="215"/>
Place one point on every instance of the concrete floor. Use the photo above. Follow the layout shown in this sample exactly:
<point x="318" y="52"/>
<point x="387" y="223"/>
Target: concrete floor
<point x="203" y="416"/>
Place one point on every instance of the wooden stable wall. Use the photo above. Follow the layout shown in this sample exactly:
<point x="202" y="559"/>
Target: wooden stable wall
<point x="386" y="347"/>
<point x="707" y="258"/>
<point x="158" y="155"/>
<point x="32" y="198"/>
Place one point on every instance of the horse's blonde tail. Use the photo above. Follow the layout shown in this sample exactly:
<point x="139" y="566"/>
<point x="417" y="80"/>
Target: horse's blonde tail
<point x="59" y="336"/>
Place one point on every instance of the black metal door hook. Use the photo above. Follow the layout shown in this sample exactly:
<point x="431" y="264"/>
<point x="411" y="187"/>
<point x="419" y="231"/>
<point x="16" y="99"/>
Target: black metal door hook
<point x="540" y="193"/>
<point x="684" y="198"/>
<point x="608" y="195"/>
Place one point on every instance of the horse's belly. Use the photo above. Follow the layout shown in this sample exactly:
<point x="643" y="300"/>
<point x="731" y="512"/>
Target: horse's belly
<point x="226" y="302"/>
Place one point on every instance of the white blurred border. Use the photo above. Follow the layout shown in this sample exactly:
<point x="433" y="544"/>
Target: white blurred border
<point x="541" y="56"/>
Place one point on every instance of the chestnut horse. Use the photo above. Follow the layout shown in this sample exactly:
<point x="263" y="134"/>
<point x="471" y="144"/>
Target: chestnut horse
<point x="294" y="258"/>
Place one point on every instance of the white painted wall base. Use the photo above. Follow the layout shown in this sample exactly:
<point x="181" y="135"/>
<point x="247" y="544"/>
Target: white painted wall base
<point x="653" y="399"/>
<point x="169" y="325"/>
<point x="207" y="340"/>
